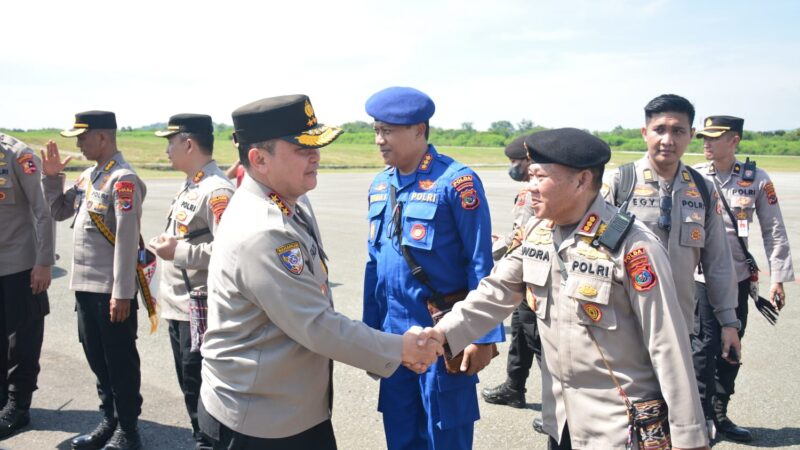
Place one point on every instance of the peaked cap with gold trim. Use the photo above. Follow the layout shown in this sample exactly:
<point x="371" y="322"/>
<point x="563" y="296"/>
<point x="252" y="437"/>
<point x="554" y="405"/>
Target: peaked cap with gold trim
<point x="716" y="126"/>
<point x="188" y="123"/>
<point x="91" y="120"/>
<point x="287" y="117"/>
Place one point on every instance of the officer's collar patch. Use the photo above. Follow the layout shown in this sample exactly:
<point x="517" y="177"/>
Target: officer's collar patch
<point x="589" y="225"/>
<point x="280" y="204"/>
<point x="425" y="164"/>
<point x="685" y="176"/>
<point x="291" y="257"/>
<point x="648" y="175"/>
<point x="737" y="168"/>
<point x="198" y="176"/>
<point x="380" y="187"/>
<point x="109" y="165"/>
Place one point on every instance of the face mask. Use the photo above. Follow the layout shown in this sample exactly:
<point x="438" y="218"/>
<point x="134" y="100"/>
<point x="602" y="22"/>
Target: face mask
<point x="516" y="173"/>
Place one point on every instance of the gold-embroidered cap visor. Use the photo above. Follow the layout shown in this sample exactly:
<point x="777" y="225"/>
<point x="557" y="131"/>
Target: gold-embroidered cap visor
<point x="76" y="130"/>
<point x="315" y="137"/>
<point x="712" y="132"/>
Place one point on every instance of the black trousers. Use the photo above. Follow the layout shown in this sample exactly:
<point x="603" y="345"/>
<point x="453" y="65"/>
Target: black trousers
<point x="110" y="349"/>
<point x="566" y="443"/>
<point x="706" y="346"/>
<point x="21" y="334"/>
<point x="319" y="437"/>
<point x="727" y="372"/>
<point x="187" y="366"/>
<point x="524" y="345"/>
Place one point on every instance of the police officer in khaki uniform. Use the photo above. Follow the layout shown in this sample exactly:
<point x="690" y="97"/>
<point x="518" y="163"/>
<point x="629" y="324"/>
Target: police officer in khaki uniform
<point x="272" y="330"/>
<point x="525" y="342"/>
<point x="185" y="246"/>
<point x="665" y="195"/>
<point x="104" y="204"/>
<point x="601" y="298"/>
<point x="748" y="191"/>
<point x="26" y="249"/>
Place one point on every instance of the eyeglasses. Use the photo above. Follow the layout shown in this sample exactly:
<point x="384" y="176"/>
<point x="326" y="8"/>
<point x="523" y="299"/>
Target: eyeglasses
<point x="665" y="219"/>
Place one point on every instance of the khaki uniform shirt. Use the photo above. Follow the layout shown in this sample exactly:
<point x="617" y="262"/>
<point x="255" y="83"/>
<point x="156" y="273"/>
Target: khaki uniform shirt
<point x="627" y="300"/>
<point x="26" y="236"/>
<point x="697" y="236"/>
<point x="198" y="205"/>
<point x="746" y="199"/>
<point x="520" y="213"/>
<point x="115" y="192"/>
<point x="272" y="330"/>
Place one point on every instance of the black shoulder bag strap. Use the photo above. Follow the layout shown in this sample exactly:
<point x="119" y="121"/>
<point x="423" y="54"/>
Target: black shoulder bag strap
<point x="764" y="307"/>
<point x="624" y="190"/>
<point x="187" y="237"/>
<point x="416" y="269"/>
<point x="700" y="181"/>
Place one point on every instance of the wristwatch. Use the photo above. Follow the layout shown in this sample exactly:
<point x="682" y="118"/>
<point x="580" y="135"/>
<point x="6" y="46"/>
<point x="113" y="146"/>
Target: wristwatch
<point x="737" y="324"/>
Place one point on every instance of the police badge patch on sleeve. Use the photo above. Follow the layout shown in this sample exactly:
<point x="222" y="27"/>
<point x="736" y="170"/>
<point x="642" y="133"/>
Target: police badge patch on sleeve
<point x="291" y="257"/>
<point x="27" y="163"/>
<point x="124" y="192"/>
<point x="637" y="264"/>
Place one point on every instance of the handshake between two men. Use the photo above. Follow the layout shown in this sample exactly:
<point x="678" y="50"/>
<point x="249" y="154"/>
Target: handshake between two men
<point x="421" y="348"/>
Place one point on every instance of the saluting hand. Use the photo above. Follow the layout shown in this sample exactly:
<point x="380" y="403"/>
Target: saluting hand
<point x="119" y="309"/>
<point x="51" y="160"/>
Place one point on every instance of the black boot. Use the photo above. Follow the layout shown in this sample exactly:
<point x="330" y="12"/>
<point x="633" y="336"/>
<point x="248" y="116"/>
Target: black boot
<point x="97" y="438"/>
<point x="504" y="395"/>
<point x="125" y="439"/>
<point x="13" y="417"/>
<point x="725" y="426"/>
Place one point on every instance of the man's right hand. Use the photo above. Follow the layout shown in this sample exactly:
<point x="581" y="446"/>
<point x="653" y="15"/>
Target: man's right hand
<point x="52" y="164"/>
<point x="419" y="352"/>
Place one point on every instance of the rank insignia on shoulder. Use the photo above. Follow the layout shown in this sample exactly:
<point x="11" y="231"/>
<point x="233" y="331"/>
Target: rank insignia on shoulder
<point x="590" y="223"/>
<point x="648" y="175"/>
<point x="291" y="257"/>
<point x="593" y="311"/>
<point x="109" y="165"/>
<point x="685" y="175"/>
<point x="27" y="163"/>
<point x="198" y="177"/>
<point x="772" y="197"/>
<point x="124" y="191"/>
<point x="469" y="199"/>
<point x="637" y="264"/>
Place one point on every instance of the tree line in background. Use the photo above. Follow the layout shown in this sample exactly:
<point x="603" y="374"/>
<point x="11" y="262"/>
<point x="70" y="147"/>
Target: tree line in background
<point x="502" y="132"/>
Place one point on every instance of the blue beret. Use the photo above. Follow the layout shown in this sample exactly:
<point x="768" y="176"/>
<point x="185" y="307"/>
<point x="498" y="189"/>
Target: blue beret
<point x="400" y="106"/>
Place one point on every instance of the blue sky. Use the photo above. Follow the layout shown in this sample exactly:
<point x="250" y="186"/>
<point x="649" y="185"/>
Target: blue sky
<point x="587" y="64"/>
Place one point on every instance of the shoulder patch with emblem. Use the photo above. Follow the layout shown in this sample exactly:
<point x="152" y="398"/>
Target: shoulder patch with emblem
<point x="218" y="204"/>
<point x="469" y="199"/>
<point x="637" y="264"/>
<point x="27" y="163"/>
<point x="772" y="197"/>
<point x="463" y="182"/>
<point x="124" y="191"/>
<point x="291" y="257"/>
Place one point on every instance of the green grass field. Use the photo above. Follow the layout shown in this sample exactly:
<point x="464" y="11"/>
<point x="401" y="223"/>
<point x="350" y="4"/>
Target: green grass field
<point x="146" y="152"/>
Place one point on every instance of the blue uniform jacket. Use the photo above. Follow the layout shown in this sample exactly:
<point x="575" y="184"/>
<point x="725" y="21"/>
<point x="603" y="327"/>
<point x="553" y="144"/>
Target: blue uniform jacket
<point x="446" y="225"/>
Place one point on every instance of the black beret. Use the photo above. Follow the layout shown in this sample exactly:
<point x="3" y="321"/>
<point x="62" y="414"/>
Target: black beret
<point x="288" y="117"/>
<point x="569" y="147"/>
<point x="716" y="126"/>
<point x="91" y="120"/>
<point x="188" y="123"/>
<point x="516" y="149"/>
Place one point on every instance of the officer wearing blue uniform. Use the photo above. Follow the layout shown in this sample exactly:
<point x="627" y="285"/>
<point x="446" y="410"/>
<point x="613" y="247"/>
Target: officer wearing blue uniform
<point x="428" y="210"/>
